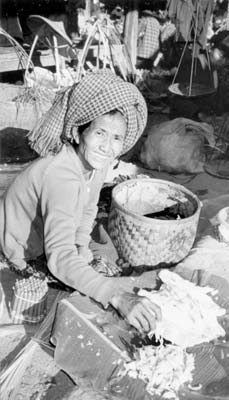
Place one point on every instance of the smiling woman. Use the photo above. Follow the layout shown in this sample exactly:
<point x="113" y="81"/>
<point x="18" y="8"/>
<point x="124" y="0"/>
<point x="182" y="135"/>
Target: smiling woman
<point x="102" y="141"/>
<point x="49" y="210"/>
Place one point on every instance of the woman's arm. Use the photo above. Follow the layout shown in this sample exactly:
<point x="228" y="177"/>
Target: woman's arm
<point x="90" y="210"/>
<point x="61" y="207"/>
<point x="60" y="198"/>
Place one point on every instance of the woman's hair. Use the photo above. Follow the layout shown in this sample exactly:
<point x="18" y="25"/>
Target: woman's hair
<point x="81" y="128"/>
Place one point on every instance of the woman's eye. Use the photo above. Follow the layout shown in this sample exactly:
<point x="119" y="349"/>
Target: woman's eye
<point x="119" y="138"/>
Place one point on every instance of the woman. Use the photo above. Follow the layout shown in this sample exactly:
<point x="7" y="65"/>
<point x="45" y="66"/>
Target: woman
<point x="51" y="205"/>
<point x="148" y="47"/>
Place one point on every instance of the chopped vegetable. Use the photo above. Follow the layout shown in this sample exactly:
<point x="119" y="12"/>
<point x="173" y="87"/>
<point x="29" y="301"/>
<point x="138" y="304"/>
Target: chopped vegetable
<point x="163" y="368"/>
<point x="189" y="314"/>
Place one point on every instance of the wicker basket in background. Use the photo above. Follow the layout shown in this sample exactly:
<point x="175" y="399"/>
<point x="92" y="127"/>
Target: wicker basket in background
<point x="143" y="241"/>
<point x="21" y="107"/>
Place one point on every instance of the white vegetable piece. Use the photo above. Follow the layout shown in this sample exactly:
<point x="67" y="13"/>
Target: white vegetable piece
<point x="189" y="314"/>
<point x="164" y="369"/>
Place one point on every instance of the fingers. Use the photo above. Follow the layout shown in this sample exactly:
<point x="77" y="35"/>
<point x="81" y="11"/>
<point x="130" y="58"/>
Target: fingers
<point x="145" y="324"/>
<point x="139" y="311"/>
<point x="153" y="308"/>
<point x="114" y="269"/>
<point x="122" y="263"/>
<point x="137" y="324"/>
<point x="142" y="323"/>
<point x="103" y="266"/>
<point x="144" y="314"/>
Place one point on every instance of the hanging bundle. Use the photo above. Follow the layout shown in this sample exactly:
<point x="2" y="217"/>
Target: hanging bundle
<point x="196" y="16"/>
<point x="189" y="14"/>
<point x="110" y="52"/>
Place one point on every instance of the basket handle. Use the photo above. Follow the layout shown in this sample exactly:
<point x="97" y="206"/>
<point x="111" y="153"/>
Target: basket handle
<point x="29" y="61"/>
<point x="21" y="53"/>
<point x="83" y="54"/>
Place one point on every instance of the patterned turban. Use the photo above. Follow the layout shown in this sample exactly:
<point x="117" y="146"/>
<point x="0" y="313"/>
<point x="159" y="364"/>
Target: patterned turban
<point x="96" y="94"/>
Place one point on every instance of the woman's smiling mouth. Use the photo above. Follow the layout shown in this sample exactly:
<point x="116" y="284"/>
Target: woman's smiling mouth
<point x="102" y="157"/>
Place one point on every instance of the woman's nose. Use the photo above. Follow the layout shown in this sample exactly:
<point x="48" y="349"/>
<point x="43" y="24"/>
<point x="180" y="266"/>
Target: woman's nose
<point x="106" y="144"/>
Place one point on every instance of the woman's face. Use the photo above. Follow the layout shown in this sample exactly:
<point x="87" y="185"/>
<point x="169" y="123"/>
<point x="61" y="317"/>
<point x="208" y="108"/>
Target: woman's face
<point x="102" y="141"/>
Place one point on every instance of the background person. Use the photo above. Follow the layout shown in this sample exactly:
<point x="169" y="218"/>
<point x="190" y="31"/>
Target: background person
<point x="148" y="44"/>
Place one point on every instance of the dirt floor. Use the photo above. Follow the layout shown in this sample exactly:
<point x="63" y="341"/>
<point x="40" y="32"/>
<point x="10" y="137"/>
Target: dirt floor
<point x="41" y="378"/>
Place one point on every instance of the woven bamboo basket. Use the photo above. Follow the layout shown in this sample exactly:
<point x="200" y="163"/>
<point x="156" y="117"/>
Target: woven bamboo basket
<point x="148" y="242"/>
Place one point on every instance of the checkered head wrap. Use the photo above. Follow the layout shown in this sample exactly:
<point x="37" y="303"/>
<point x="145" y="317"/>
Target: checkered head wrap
<point x="96" y="94"/>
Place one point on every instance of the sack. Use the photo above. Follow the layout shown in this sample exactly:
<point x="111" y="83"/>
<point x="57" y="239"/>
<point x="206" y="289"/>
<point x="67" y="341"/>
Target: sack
<point x="17" y="111"/>
<point x="177" y="146"/>
<point x="21" y="106"/>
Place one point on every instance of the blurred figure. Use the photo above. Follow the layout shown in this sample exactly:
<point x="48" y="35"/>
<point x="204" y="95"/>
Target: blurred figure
<point x="148" y="45"/>
<point x="72" y="20"/>
<point x="117" y="16"/>
<point x="219" y="56"/>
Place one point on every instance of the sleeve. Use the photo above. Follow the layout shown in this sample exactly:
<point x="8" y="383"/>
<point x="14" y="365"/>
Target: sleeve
<point x="141" y="28"/>
<point x="59" y="205"/>
<point x="89" y="214"/>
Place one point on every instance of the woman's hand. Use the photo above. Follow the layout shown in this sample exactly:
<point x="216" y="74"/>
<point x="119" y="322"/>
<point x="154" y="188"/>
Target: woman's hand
<point x="105" y="267"/>
<point x="139" y="311"/>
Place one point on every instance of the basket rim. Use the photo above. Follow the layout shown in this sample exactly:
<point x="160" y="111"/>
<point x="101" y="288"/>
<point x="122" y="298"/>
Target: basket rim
<point x="179" y="90"/>
<point x="150" y="221"/>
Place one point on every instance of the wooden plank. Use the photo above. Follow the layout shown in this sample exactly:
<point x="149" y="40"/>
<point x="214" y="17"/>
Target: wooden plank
<point x="93" y="344"/>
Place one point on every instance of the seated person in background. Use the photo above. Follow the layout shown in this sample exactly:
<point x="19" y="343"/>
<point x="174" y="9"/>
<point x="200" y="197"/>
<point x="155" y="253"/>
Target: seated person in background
<point x="51" y="206"/>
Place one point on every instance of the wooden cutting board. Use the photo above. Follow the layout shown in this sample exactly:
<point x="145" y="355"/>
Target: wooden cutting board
<point x="94" y="344"/>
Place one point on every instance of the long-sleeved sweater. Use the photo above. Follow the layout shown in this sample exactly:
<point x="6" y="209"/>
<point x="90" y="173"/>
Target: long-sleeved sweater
<point x="50" y="208"/>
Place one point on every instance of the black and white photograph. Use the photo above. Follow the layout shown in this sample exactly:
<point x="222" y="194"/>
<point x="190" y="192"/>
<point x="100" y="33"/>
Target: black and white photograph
<point x="114" y="200"/>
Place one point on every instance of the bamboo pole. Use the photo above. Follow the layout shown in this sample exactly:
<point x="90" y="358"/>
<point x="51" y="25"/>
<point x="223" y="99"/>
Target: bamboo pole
<point x="194" y="49"/>
<point x="88" y="8"/>
<point x="131" y="30"/>
<point x="227" y="22"/>
<point x="31" y="54"/>
<point x="57" y="61"/>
